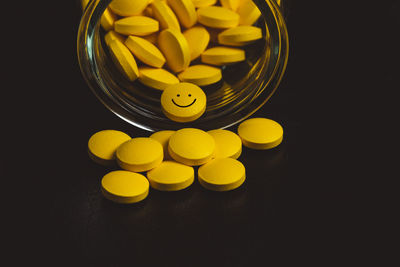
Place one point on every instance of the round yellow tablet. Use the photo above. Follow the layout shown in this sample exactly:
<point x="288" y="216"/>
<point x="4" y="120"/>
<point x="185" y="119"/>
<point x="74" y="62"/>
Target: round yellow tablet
<point x="260" y="133"/>
<point x="124" y="187"/>
<point x="197" y="38"/>
<point x="185" y="11"/>
<point x="139" y="154"/>
<point x="145" y="51"/>
<point x="217" y="17"/>
<point x="164" y="14"/>
<point x="128" y="7"/>
<point x="107" y="20"/>
<point x="183" y="102"/>
<point x="112" y="35"/>
<point x="191" y="146"/>
<point x="231" y="4"/>
<point x="240" y="35"/>
<point x="124" y="59"/>
<point x="228" y="144"/>
<point x="136" y="25"/>
<point x="221" y="55"/>
<point x="248" y="12"/>
<point x="201" y="75"/>
<point x="171" y="176"/>
<point x="163" y="138"/>
<point x="156" y="78"/>
<point x="222" y="174"/>
<point x="102" y="145"/>
<point x="175" y="48"/>
<point x="203" y="3"/>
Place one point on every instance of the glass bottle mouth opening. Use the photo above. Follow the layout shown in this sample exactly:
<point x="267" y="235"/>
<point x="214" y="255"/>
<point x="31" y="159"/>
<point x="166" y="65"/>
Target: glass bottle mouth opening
<point x="244" y="88"/>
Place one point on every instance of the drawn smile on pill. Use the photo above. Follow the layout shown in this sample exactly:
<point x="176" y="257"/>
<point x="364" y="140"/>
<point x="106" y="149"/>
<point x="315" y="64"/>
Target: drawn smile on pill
<point x="183" y="106"/>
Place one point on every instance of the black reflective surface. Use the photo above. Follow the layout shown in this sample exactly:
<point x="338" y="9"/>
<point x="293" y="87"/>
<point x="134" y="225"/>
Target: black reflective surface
<point x="303" y="203"/>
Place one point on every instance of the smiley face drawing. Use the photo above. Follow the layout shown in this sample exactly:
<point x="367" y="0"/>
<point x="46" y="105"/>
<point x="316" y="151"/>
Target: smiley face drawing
<point x="183" y="102"/>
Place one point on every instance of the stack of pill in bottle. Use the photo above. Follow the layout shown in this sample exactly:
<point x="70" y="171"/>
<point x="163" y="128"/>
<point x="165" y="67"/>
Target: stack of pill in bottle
<point x="166" y="42"/>
<point x="170" y="160"/>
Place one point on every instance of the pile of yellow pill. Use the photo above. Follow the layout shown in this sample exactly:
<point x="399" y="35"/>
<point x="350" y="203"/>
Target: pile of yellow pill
<point x="165" y="42"/>
<point x="169" y="160"/>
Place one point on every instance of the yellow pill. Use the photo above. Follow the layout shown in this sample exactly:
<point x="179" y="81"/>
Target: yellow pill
<point x="102" y="145"/>
<point x="221" y="55"/>
<point x="164" y="14"/>
<point x="228" y="144"/>
<point x="201" y="75"/>
<point x="163" y="138"/>
<point x="222" y="174"/>
<point x="217" y="17"/>
<point x="248" y="12"/>
<point x="185" y="11"/>
<point x="107" y="20"/>
<point x="136" y="25"/>
<point x="183" y="102"/>
<point x="112" y="35"/>
<point x="171" y="176"/>
<point x="203" y="3"/>
<point x="152" y="38"/>
<point x="139" y="154"/>
<point x="260" y="133"/>
<point x="128" y="7"/>
<point x="124" y="60"/>
<point x="240" y="35"/>
<point x="175" y="48"/>
<point x="124" y="187"/>
<point x="191" y="146"/>
<point x="197" y="38"/>
<point x="231" y="4"/>
<point x="145" y="51"/>
<point x="156" y="78"/>
<point x="84" y="3"/>
<point x="148" y="12"/>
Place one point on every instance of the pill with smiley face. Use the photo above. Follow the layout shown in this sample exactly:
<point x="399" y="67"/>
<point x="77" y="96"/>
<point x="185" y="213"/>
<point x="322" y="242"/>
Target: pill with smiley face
<point x="183" y="102"/>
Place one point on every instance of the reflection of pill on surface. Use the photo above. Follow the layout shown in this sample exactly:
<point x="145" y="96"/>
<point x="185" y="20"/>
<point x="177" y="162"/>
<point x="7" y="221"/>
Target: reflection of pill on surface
<point x="222" y="174"/>
<point x="163" y="13"/>
<point x="128" y="7"/>
<point x="163" y="137"/>
<point x="139" y="154"/>
<point x="175" y="48"/>
<point x="145" y="51"/>
<point x="191" y="146"/>
<point x="183" y="102"/>
<point x="248" y="12"/>
<point x="103" y="144"/>
<point x="136" y="25"/>
<point x="240" y="35"/>
<point x="217" y="17"/>
<point x="185" y="11"/>
<point x="171" y="176"/>
<point x="201" y="75"/>
<point x="156" y="78"/>
<point x="124" y="187"/>
<point x="221" y="55"/>
<point x="228" y="144"/>
<point x="124" y="59"/>
<point x="197" y="38"/>
<point x="260" y="133"/>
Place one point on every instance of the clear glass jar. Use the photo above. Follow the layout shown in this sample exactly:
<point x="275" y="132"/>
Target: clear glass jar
<point x="245" y="86"/>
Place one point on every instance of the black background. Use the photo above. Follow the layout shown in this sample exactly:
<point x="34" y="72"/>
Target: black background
<point x="308" y="201"/>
